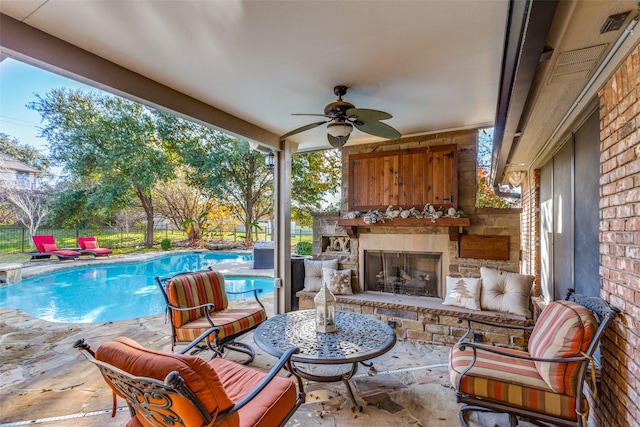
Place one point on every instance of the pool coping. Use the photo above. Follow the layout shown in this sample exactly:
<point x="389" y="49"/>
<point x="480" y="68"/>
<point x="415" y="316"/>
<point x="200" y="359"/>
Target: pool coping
<point x="242" y="268"/>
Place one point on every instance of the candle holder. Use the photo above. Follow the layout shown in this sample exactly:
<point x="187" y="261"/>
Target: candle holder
<point x="325" y="303"/>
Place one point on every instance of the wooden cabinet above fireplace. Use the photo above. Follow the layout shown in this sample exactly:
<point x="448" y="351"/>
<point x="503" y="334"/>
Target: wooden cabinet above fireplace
<point x="404" y="178"/>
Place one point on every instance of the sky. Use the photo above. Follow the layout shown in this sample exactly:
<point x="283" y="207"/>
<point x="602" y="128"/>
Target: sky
<point x="19" y="84"/>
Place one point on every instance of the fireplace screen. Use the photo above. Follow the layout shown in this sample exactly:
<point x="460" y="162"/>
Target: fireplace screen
<point x="405" y="273"/>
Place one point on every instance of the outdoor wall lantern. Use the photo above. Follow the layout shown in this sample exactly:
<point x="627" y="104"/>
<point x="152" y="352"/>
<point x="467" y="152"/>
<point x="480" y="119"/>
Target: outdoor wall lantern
<point x="325" y="304"/>
<point x="270" y="160"/>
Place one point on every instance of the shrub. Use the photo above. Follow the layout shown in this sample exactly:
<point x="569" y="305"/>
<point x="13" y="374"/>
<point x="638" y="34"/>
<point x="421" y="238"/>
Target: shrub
<point x="165" y="244"/>
<point x="304" y="248"/>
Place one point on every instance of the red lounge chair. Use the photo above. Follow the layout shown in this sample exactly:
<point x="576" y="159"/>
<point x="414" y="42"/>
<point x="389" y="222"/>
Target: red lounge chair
<point x="46" y="246"/>
<point x="89" y="245"/>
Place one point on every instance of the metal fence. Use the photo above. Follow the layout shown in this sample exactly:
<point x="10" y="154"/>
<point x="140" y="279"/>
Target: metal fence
<point x="18" y="239"/>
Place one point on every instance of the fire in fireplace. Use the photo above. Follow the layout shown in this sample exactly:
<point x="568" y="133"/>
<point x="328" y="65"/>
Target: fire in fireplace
<point x="405" y="273"/>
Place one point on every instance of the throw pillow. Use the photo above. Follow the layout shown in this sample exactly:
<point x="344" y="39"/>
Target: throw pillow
<point x="505" y="291"/>
<point x="338" y="281"/>
<point x="564" y="329"/>
<point x="49" y="247"/>
<point x="313" y="272"/>
<point x="463" y="292"/>
<point x="91" y="244"/>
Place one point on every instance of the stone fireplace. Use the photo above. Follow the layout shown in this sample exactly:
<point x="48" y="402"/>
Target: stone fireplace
<point x="405" y="264"/>
<point x="408" y="301"/>
<point x="404" y="273"/>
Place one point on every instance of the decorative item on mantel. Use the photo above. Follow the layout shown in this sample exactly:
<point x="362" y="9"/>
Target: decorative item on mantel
<point x="429" y="211"/>
<point x="325" y="303"/>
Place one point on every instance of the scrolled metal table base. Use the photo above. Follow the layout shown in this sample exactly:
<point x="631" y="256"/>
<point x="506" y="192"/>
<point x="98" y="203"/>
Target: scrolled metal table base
<point x="345" y="377"/>
<point x="358" y="339"/>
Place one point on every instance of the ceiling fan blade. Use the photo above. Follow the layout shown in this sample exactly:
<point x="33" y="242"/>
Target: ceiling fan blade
<point x="302" y="129"/>
<point x="378" y="129"/>
<point x="337" y="141"/>
<point x="365" y="114"/>
<point x="309" y="114"/>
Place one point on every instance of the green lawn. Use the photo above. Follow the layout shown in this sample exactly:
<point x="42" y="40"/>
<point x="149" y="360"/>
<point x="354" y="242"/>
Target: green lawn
<point x="7" y="257"/>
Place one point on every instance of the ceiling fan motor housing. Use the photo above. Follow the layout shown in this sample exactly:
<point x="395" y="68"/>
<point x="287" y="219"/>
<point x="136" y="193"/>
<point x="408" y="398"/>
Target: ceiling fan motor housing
<point x="338" y="109"/>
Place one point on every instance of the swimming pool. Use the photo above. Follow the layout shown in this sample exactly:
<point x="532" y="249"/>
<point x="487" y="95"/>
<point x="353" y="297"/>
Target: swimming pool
<point x="110" y="292"/>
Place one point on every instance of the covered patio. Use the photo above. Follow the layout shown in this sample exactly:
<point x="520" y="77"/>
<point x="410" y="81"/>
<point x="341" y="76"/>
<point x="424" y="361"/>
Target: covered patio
<point x="558" y="81"/>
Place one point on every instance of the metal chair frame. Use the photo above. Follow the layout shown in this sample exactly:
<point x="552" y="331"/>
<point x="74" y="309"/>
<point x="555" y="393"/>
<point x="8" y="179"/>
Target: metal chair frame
<point x="154" y="399"/>
<point x="215" y="344"/>
<point x="603" y="313"/>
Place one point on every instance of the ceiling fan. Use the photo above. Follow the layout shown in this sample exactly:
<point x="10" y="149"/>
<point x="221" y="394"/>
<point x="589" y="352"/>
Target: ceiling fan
<point x="343" y="116"/>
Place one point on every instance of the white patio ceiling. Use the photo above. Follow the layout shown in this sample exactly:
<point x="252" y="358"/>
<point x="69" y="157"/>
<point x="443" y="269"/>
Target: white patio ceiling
<point x="433" y="65"/>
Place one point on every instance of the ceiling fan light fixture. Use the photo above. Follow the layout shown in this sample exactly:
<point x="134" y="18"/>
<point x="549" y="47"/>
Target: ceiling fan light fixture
<point x="339" y="129"/>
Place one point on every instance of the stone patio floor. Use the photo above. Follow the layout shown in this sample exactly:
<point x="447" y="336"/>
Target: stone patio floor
<point x="44" y="381"/>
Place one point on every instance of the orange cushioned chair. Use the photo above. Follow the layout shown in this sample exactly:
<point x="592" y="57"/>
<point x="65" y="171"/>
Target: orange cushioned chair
<point x="198" y="301"/>
<point x="545" y="383"/>
<point x="166" y="389"/>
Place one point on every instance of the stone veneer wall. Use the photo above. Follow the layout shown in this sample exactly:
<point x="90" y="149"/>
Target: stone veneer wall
<point x="426" y="319"/>
<point x="483" y="221"/>
<point x="618" y="399"/>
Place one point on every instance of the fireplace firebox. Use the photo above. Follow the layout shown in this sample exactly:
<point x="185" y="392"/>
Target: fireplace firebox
<point x="404" y="273"/>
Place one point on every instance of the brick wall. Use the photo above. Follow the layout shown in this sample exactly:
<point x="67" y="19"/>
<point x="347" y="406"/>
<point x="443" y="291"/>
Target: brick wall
<point x="618" y="402"/>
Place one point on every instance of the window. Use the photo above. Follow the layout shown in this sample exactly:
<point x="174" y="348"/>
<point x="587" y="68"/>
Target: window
<point x="23" y="179"/>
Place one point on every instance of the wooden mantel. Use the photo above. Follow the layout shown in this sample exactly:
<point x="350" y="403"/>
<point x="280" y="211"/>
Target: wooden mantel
<point x="351" y="225"/>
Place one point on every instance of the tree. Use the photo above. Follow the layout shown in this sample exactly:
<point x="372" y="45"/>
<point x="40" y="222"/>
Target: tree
<point x="485" y="196"/>
<point x="178" y="202"/>
<point x="188" y="208"/>
<point x="16" y="205"/>
<point x="27" y="155"/>
<point x="225" y="168"/>
<point x="235" y="175"/>
<point x="314" y="175"/>
<point x="108" y="145"/>
<point x="30" y="204"/>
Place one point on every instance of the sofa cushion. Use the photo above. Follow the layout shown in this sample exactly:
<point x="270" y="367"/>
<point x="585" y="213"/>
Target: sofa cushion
<point x="270" y="407"/>
<point x="505" y="291"/>
<point x="338" y="281"/>
<point x="229" y="322"/>
<point x="564" y="329"/>
<point x="313" y="272"/>
<point x="463" y="292"/>
<point x="193" y="289"/>
<point x="506" y="379"/>
<point x="198" y="375"/>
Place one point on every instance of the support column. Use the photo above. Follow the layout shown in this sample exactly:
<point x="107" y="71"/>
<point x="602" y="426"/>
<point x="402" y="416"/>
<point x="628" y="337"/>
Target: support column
<point x="282" y="214"/>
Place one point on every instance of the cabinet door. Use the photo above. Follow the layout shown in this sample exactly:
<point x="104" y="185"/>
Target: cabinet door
<point x="404" y="178"/>
<point x="374" y="181"/>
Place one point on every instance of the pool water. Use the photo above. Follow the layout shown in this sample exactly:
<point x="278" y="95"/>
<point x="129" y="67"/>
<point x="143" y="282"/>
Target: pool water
<point x="110" y="292"/>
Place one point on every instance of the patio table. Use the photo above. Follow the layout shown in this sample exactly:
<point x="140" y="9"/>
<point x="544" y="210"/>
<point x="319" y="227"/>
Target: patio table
<point x="358" y="338"/>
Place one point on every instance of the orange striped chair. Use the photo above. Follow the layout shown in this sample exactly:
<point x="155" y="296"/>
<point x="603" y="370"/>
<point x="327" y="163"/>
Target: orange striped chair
<point x="197" y="301"/>
<point x="545" y="383"/>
